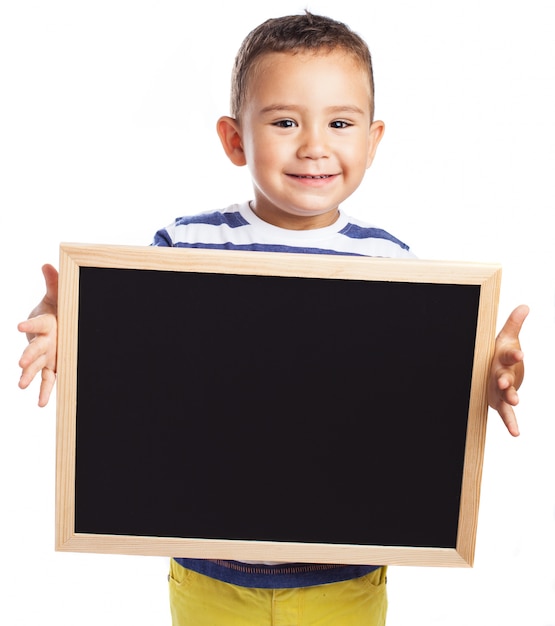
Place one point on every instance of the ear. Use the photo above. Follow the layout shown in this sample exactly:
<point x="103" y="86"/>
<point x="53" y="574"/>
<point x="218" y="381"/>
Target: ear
<point x="229" y="133"/>
<point x="377" y="130"/>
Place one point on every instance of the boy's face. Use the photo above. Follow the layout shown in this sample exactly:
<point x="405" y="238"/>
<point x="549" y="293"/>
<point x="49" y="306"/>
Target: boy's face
<point x="306" y="136"/>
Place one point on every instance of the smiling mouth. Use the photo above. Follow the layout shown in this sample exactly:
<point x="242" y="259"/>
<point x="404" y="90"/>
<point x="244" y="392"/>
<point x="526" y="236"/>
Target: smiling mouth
<point x="312" y="177"/>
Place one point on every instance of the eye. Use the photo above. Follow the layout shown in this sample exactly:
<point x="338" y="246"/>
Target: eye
<point x="340" y="124"/>
<point x="285" y="124"/>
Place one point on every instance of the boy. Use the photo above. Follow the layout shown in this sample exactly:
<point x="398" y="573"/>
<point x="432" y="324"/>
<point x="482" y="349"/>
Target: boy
<point x="302" y="107"/>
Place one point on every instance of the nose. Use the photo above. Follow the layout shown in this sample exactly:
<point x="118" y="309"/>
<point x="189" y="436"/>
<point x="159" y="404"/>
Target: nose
<point x="313" y="144"/>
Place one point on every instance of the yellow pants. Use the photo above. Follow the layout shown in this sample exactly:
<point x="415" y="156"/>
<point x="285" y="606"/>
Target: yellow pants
<point x="197" y="600"/>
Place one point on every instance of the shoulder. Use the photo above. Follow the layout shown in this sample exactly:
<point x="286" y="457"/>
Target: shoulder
<point x="371" y="240"/>
<point x="232" y="216"/>
<point x="196" y="227"/>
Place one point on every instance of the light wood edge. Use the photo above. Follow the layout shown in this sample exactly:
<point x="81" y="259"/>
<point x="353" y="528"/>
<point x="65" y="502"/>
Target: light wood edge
<point x="477" y="417"/>
<point x="264" y="551"/>
<point x="276" y="263"/>
<point x="68" y="304"/>
<point x="74" y="256"/>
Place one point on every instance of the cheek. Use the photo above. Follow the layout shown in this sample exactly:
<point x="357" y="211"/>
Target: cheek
<point x="363" y="152"/>
<point x="356" y="158"/>
<point x="355" y="152"/>
<point x="261" y="163"/>
<point x="268" y="154"/>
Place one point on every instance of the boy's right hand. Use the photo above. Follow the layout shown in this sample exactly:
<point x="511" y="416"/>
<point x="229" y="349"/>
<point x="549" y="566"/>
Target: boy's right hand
<point x="41" y="329"/>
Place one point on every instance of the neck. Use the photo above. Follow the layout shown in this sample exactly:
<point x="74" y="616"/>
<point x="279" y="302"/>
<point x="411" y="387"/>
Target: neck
<point x="290" y="221"/>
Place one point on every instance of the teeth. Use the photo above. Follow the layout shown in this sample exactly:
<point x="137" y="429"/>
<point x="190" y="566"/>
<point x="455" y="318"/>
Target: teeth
<point x="324" y="176"/>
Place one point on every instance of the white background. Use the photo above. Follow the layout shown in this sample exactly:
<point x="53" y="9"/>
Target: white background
<point x="107" y="132"/>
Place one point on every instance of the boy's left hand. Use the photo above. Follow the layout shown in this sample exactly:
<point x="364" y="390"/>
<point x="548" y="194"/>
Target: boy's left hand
<point x="507" y="369"/>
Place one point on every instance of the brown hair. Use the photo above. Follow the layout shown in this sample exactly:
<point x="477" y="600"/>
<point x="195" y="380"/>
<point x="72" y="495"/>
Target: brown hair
<point x="295" y="33"/>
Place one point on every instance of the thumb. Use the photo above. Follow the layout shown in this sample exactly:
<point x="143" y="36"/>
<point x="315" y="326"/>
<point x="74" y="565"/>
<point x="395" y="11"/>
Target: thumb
<point x="514" y="323"/>
<point x="51" y="279"/>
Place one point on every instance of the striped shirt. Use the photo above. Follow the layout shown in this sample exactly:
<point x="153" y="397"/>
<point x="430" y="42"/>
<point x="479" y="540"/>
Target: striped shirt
<point x="239" y="228"/>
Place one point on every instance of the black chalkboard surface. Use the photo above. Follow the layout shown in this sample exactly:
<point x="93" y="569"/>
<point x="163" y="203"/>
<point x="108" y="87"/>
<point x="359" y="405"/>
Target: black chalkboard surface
<point x="283" y="407"/>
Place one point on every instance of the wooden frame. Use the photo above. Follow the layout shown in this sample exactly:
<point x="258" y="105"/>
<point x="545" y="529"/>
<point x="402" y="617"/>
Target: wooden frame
<point x="348" y="481"/>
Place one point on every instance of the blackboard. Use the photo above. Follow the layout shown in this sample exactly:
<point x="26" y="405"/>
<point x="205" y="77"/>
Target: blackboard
<point x="275" y="407"/>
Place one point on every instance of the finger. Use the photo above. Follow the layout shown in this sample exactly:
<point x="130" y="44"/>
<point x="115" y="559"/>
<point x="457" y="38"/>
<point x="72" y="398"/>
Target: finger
<point x="509" y="395"/>
<point x="509" y="418"/>
<point x="30" y="371"/>
<point x="511" y="374"/>
<point x="39" y="325"/>
<point x="511" y="357"/>
<point x="37" y="348"/>
<point x="46" y="386"/>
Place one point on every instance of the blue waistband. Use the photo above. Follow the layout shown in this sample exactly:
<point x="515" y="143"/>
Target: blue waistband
<point x="284" y="576"/>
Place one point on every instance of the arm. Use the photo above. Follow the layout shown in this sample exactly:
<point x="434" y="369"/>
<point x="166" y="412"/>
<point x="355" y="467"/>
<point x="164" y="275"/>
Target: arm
<point x="507" y="369"/>
<point x="41" y="331"/>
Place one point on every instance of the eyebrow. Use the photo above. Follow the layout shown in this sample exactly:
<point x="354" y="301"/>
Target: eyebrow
<point x="340" y="108"/>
